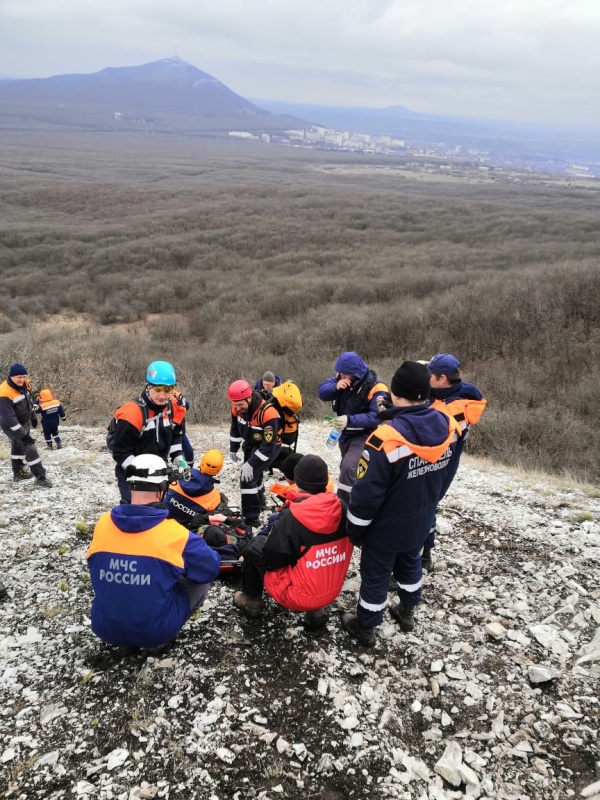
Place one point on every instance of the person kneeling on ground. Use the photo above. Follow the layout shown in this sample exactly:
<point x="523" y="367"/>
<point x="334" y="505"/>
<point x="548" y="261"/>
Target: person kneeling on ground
<point x="149" y="574"/>
<point x="302" y="562"/>
<point x="186" y="499"/>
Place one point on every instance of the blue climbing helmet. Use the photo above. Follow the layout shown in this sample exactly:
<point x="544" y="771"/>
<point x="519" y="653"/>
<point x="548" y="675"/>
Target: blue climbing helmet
<point x="161" y="373"/>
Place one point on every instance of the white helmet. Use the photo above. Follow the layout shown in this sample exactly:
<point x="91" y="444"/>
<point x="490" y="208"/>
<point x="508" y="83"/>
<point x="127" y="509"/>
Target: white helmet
<point x="147" y="473"/>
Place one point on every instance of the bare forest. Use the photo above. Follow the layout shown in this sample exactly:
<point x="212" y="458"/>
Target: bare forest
<point x="229" y="259"/>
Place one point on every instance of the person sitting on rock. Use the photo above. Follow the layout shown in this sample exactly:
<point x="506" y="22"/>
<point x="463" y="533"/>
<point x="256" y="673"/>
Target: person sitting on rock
<point x="148" y="573"/>
<point x="303" y="561"/>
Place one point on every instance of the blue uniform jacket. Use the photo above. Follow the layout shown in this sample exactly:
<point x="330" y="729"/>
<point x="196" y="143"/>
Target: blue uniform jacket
<point x="359" y="402"/>
<point x="136" y="560"/>
<point x="394" y="499"/>
<point x="460" y="391"/>
<point x="50" y="416"/>
<point x="196" y="496"/>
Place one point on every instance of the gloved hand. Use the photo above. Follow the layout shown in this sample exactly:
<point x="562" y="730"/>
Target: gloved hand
<point x="234" y="456"/>
<point x="339" y="422"/>
<point x="27" y="439"/>
<point x="247" y="473"/>
<point x="197" y="521"/>
<point x="183" y="467"/>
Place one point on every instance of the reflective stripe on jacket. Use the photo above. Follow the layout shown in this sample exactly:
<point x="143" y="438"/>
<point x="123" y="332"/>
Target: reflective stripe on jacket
<point x="399" y="478"/>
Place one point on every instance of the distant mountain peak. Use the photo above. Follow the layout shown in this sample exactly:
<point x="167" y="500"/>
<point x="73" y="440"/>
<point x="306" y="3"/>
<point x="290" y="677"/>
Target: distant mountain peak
<point x="170" y="93"/>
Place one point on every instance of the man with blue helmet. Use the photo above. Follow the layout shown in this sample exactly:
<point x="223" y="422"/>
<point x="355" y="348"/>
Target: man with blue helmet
<point x="150" y="424"/>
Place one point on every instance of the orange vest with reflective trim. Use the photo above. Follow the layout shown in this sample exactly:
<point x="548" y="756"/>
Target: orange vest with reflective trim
<point x="165" y="541"/>
<point x="396" y="446"/>
<point x="465" y="411"/>
<point x="208" y="501"/>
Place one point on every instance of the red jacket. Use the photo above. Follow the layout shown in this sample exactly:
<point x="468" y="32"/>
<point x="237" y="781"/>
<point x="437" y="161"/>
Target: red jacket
<point x="307" y="553"/>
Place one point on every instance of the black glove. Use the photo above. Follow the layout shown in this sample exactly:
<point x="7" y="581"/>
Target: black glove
<point x="357" y="539"/>
<point x="27" y="439"/>
<point x="197" y="521"/>
<point x="34" y="422"/>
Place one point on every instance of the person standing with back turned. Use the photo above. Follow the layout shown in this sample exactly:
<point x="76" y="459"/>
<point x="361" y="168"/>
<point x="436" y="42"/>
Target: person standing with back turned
<point x="393" y="501"/>
<point x="466" y="404"/>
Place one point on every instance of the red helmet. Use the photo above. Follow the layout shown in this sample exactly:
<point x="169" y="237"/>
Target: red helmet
<point x="239" y="390"/>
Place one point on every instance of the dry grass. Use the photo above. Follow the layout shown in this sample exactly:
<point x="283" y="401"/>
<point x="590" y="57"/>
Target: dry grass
<point x="117" y="251"/>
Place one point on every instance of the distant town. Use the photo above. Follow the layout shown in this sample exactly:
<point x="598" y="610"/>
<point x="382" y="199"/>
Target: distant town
<point x="449" y="157"/>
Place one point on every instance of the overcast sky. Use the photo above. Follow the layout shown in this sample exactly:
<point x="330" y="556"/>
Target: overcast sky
<point x="519" y="59"/>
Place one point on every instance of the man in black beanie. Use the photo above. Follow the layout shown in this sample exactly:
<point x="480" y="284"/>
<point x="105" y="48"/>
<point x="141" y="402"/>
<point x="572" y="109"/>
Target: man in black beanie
<point x="394" y="499"/>
<point x="302" y="561"/>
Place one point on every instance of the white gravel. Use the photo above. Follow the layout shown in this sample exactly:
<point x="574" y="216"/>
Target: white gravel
<point x="493" y="696"/>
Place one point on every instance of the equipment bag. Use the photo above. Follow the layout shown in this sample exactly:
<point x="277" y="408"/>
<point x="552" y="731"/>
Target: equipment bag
<point x="112" y="425"/>
<point x="287" y="400"/>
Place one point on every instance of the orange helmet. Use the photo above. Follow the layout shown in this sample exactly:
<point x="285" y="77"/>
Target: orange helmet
<point x="211" y="462"/>
<point x="239" y="390"/>
<point x="45" y="395"/>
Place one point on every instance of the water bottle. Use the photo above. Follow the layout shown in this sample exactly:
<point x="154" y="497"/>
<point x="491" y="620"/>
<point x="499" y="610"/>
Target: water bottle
<point x="333" y="438"/>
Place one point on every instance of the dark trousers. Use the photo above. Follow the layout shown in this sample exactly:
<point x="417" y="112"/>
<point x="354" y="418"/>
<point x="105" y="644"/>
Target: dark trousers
<point x="253" y="492"/>
<point x="25" y="455"/>
<point x="51" y="432"/>
<point x="123" y="485"/>
<point x="351" y="451"/>
<point x="253" y="568"/>
<point x="188" y="450"/>
<point x="376" y="566"/>
<point x="448" y="478"/>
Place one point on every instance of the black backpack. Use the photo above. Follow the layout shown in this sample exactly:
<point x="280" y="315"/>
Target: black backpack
<point x="112" y="425"/>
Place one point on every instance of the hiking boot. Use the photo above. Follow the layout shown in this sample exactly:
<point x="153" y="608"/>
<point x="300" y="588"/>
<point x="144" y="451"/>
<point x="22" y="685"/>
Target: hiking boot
<point x="43" y="483"/>
<point x="315" y="620"/>
<point x="49" y="445"/>
<point x="364" y="636"/>
<point x="404" y="616"/>
<point x="22" y="475"/>
<point x="253" y="522"/>
<point x="427" y="559"/>
<point x="3" y="591"/>
<point x="59" y="445"/>
<point x="251" y="606"/>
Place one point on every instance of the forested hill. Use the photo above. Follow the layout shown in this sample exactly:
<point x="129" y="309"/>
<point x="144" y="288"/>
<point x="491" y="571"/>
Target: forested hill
<point x="231" y="259"/>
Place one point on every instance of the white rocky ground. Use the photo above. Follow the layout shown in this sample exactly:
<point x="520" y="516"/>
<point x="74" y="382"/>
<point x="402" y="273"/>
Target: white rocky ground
<point x="494" y="696"/>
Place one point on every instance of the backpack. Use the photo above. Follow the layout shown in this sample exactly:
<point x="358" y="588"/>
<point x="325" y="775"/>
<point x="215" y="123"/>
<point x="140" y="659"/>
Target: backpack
<point x="112" y="425"/>
<point x="287" y="400"/>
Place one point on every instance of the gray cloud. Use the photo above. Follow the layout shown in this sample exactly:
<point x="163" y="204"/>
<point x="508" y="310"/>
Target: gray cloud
<point x="533" y="59"/>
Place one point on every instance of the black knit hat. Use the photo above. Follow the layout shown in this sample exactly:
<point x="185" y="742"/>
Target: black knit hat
<point x="289" y="465"/>
<point x="411" y="381"/>
<point x="311" y="474"/>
